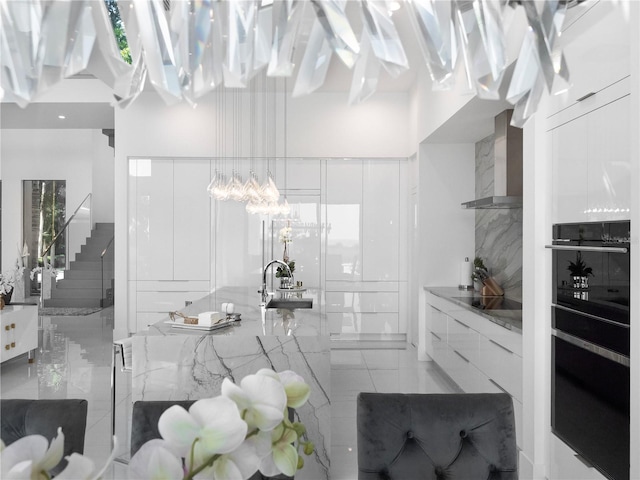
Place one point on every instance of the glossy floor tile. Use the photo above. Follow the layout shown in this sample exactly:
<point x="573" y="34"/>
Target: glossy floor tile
<point x="74" y="360"/>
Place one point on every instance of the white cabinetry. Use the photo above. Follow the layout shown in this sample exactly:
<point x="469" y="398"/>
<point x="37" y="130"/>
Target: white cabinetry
<point x="479" y="355"/>
<point x="365" y="278"/>
<point x="19" y="332"/>
<point x="170" y="235"/>
<point x="592" y="166"/>
<point x="597" y="51"/>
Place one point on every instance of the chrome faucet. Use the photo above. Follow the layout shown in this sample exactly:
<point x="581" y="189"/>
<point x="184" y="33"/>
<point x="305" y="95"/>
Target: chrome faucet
<point x="263" y="291"/>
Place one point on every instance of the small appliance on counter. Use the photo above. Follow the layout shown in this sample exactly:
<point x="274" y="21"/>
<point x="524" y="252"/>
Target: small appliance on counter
<point x="466" y="280"/>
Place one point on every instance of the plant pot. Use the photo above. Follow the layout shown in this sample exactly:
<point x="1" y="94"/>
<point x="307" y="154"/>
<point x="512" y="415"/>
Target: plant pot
<point x="286" y="282"/>
<point x="7" y="297"/>
<point x="580" y="281"/>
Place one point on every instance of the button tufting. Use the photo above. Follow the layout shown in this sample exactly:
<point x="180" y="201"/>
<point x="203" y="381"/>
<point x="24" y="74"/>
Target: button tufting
<point x="438" y="471"/>
<point x="463" y="434"/>
<point x="492" y="468"/>
<point x="409" y="434"/>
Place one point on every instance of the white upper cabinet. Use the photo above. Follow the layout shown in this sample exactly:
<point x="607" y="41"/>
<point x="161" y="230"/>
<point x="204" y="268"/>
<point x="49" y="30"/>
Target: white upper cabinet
<point x="570" y="171"/>
<point x="596" y="59"/>
<point x="380" y="220"/>
<point x="609" y="155"/>
<point x="344" y="220"/>
<point x="171" y="219"/>
<point x="592" y="166"/>
<point x="154" y="218"/>
<point x="191" y="219"/>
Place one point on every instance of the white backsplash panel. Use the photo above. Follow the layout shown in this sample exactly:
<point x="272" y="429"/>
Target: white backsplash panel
<point x="498" y="231"/>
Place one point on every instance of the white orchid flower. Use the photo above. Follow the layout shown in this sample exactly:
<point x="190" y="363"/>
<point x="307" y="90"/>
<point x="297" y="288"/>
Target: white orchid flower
<point x="214" y="422"/>
<point x="31" y="457"/>
<point x="260" y="398"/>
<point x="240" y="464"/>
<point x="80" y="467"/>
<point x="295" y="387"/>
<point x="155" y="461"/>
<point x="283" y="457"/>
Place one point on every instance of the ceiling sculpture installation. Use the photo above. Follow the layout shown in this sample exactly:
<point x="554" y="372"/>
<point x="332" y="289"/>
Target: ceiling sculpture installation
<point x="185" y="49"/>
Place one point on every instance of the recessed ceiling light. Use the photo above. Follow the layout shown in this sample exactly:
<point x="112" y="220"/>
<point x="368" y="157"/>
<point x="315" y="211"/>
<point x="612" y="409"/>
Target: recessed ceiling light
<point x="61" y="117"/>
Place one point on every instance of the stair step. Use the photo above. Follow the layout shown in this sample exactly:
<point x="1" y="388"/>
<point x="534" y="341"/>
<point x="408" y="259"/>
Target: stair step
<point x="76" y="293"/>
<point x="89" y="265"/>
<point x="105" y="226"/>
<point x="72" y="302"/>
<point x="67" y="283"/>
<point x="82" y="274"/>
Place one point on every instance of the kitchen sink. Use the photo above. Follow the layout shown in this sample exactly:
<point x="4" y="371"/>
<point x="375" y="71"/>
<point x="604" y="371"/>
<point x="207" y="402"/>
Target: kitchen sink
<point x="290" y="303"/>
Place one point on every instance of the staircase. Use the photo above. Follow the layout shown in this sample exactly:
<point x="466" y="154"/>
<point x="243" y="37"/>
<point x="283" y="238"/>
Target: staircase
<point x="82" y="283"/>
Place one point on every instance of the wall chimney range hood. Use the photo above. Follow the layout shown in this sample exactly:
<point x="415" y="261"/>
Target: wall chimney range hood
<point x="507" y="169"/>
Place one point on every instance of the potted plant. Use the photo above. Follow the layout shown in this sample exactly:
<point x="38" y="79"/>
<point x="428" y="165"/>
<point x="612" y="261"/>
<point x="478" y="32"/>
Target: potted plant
<point x="7" y="284"/>
<point x="286" y="281"/>
<point x="580" y="272"/>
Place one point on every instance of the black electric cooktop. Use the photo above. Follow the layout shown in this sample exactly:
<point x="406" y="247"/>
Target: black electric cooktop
<point x="490" y="303"/>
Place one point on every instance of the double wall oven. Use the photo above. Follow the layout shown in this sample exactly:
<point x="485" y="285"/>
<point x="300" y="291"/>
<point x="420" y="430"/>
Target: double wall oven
<point x="590" y="342"/>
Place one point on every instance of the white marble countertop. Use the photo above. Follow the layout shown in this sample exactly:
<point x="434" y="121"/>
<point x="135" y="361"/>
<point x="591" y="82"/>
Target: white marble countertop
<point x="301" y="322"/>
<point x="510" y="319"/>
<point x="173" y="364"/>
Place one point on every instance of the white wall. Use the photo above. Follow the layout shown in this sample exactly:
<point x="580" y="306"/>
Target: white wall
<point x="102" y="170"/>
<point x="42" y="155"/>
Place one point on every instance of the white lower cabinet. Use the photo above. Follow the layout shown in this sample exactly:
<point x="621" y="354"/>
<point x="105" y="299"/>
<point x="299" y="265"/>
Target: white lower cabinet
<point x="477" y="354"/>
<point x="19" y="333"/>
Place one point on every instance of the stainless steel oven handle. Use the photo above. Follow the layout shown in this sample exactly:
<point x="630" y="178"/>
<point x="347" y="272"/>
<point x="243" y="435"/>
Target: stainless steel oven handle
<point x="593" y="348"/>
<point x="583" y="248"/>
<point x="590" y="315"/>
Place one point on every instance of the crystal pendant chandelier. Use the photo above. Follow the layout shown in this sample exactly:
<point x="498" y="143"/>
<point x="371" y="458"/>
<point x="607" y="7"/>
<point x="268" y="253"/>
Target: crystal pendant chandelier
<point x="188" y="48"/>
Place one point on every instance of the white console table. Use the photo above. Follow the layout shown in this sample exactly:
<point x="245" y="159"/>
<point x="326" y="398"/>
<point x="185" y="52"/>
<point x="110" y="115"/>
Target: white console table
<point x="19" y="331"/>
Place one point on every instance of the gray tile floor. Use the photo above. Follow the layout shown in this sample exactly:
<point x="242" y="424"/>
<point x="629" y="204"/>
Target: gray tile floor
<point x="74" y="360"/>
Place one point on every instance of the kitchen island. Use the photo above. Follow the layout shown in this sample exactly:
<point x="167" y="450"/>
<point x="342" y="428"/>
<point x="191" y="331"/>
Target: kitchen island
<point x="171" y="363"/>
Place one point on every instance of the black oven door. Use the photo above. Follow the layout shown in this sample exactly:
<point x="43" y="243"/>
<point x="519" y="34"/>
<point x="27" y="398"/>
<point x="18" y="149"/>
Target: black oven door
<point x="591" y="267"/>
<point x="590" y="405"/>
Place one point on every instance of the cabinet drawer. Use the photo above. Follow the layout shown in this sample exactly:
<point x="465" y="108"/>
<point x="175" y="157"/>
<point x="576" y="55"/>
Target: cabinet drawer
<point x="466" y="375"/>
<point x="505" y="337"/>
<point x="365" y="302"/>
<point x="439" y="323"/>
<point x="342" y="322"/>
<point x="502" y="366"/>
<point x="440" y="303"/>
<point x="463" y="339"/>
<point x="165" y="301"/>
<point x="345" y="322"/>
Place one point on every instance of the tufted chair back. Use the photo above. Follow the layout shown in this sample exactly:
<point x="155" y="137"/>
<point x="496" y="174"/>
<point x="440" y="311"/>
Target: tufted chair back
<point x="436" y="436"/>
<point x="20" y="417"/>
<point x="144" y="425"/>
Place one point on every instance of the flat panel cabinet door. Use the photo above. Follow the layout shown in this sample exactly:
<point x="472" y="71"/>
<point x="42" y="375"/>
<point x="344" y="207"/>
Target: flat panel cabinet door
<point x="609" y="172"/>
<point x="380" y="220"/>
<point x="191" y="219"/>
<point x="154" y="214"/>
<point x="570" y="145"/>
<point x="344" y="220"/>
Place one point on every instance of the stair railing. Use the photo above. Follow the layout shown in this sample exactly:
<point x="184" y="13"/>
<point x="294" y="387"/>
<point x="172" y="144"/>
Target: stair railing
<point x="107" y="274"/>
<point x="76" y="229"/>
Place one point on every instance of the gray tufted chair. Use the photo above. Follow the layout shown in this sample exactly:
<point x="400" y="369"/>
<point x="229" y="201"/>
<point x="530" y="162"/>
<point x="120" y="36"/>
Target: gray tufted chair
<point x="19" y="418"/>
<point x="144" y="425"/>
<point x="436" y="436"/>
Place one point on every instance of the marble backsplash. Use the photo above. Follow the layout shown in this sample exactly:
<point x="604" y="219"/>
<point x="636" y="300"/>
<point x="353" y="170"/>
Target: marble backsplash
<point x="498" y="231"/>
